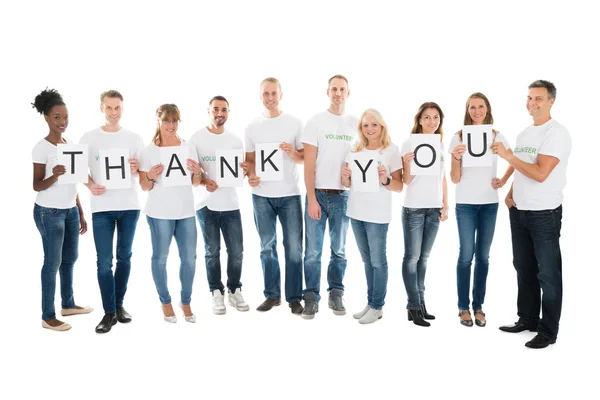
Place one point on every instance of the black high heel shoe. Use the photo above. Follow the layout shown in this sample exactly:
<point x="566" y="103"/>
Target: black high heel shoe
<point x="425" y="314"/>
<point x="416" y="316"/>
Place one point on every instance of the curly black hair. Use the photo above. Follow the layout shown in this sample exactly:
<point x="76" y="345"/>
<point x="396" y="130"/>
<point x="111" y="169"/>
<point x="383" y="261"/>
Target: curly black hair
<point x="47" y="99"/>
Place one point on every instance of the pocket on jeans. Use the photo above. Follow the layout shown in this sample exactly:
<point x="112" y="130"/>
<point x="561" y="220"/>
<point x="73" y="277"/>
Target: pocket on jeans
<point x="48" y="211"/>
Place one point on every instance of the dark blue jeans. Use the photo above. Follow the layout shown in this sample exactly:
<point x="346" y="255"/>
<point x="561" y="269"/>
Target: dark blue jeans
<point x="212" y="224"/>
<point x="420" y="227"/>
<point x="537" y="259"/>
<point x="113" y="287"/>
<point x="371" y="239"/>
<point x="59" y="229"/>
<point x="289" y="210"/>
<point x="476" y="225"/>
<point x="333" y="209"/>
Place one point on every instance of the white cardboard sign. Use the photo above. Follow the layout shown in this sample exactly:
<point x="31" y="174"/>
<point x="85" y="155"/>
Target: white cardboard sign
<point x="269" y="162"/>
<point x="175" y="173"/>
<point x="427" y="154"/>
<point x="115" y="172"/>
<point x="229" y="172"/>
<point x="75" y="159"/>
<point x="365" y="177"/>
<point x="478" y="139"/>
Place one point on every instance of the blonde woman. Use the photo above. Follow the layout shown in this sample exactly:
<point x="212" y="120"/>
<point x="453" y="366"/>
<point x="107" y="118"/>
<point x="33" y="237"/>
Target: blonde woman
<point x="371" y="212"/>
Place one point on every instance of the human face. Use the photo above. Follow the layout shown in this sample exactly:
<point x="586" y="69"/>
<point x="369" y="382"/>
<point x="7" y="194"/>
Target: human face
<point x="338" y="91"/>
<point x="430" y="120"/>
<point x="270" y="94"/>
<point x="57" y="119"/>
<point x="168" y="126"/>
<point x="112" y="107"/>
<point x="538" y="103"/>
<point x="218" y="111"/>
<point x="371" y="129"/>
<point x="477" y="110"/>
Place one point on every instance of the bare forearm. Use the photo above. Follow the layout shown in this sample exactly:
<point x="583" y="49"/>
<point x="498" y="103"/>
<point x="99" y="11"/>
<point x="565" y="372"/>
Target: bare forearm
<point x="455" y="170"/>
<point x="532" y="171"/>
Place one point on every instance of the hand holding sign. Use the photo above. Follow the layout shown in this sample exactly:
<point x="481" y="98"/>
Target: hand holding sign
<point x="382" y="172"/>
<point x="211" y="185"/>
<point x="458" y="151"/>
<point x="96" y="189"/>
<point x="194" y="166"/>
<point x="134" y="165"/>
<point x="498" y="148"/>
<point x="155" y="171"/>
<point x="58" y="170"/>
<point x="346" y="172"/>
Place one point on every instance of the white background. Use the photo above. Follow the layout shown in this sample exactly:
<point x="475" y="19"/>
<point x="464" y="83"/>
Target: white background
<point x="395" y="59"/>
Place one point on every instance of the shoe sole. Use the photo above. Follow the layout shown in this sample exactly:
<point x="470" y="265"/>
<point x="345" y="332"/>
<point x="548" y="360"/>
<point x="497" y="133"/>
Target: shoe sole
<point x="61" y="328"/>
<point x="219" y="312"/>
<point x="246" y="308"/>
<point x="65" y="312"/>
<point x="370" y="322"/>
<point x="109" y="328"/>
<point x="307" y="316"/>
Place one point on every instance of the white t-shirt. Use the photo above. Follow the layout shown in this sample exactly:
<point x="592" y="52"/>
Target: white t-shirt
<point x="206" y="144"/>
<point x="375" y="207"/>
<point x="333" y="136"/>
<point x="113" y="199"/>
<point x="475" y="186"/>
<point x="56" y="196"/>
<point x="425" y="191"/>
<point x="551" y="139"/>
<point x="175" y="202"/>
<point x="284" y="128"/>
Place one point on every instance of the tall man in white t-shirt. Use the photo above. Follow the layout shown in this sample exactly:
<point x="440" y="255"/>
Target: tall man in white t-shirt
<point x="277" y="198"/>
<point x="327" y="138"/>
<point x="219" y="209"/>
<point x="113" y="209"/>
<point x="535" y="201"/>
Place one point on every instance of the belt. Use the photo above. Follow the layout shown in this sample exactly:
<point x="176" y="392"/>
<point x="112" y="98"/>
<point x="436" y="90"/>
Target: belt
<point x="331" y="191"/>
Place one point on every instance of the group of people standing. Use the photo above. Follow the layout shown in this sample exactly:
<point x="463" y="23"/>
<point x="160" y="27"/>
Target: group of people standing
<point x="327" y="145"/>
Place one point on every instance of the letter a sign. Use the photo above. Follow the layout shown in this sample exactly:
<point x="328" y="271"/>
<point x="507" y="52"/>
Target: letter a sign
<point x="269" y="162"/>
<point x="174" y="158"/>
<point x="478" y="139"/>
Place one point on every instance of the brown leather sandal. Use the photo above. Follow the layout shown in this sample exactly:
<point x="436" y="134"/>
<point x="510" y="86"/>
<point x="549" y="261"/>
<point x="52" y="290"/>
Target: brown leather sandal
<point x="479" y="322"/>
<point x="465" y="322"/>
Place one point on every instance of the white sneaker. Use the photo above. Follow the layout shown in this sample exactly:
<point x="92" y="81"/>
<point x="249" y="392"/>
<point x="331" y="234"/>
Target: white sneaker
<point x="236" y="300"/>
<point x="371" y="316"/>
<point x="362" y="313"/>
<point x="218" y="302"/>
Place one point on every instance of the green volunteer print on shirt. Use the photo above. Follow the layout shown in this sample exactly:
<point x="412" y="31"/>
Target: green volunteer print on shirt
<point x="531" y="150"/>
<point x="209" y="158"/>
<point x="333" y="136"/>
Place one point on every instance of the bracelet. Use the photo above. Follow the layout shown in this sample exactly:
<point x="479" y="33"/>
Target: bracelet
<point x="457" y="159"/>
<point x="148" y="179"/>
<point x="388" y="182"/>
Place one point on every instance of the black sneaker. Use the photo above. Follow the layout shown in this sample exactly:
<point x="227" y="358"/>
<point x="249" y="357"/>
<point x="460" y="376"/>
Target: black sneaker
<point x="311" y="307"/>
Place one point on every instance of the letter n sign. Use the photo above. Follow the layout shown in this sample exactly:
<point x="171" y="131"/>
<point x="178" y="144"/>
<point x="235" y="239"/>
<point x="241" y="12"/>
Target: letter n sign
<point x="228" y="170"/>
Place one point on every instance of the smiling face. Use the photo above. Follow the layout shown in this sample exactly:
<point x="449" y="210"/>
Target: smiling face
<point x="538" y="103"/>
<point x="58" y="119"/>
<point x="218" y="112"/>
<point x="371" y="129"/>
<point x="430" y="120"/>
<point x="477" y="110"/>
<point x="168" y="125"/>
<point x="112" y="107"/>
<point x="270" y="94"/>
<point x="338" y="91"/>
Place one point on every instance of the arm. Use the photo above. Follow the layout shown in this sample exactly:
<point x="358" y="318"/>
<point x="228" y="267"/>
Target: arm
<point x="456" y="163"/>
<point x="406" y="176"/>
<point x="96" y="189"/>
<point x="39" y="171"/>
<point x="444" y="211"/>
<point x="296" y="155"/>
<point x="310" y="159"/>
<point x="147" y="178"/>
<point x="396" y="184"/>
<point x="82" y="221"/>
<point x="346" y="177"/>
<point x="253" y="180"/>
<point x="539" y="171"/>
<point x="509" y="198"/>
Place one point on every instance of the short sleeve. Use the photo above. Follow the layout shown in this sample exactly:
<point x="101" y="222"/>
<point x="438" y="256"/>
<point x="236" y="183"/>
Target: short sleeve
<point x="453" y="143"/>
<point x="310" y="133"/>
<point x="299" y="144"/>
<point x="405" y="147"/>
<point x="248" y="139"/>
<point x="38" y="154"/>
<point x="395" y="160"/>
<point x="145" y="159"/>
<point x="556" y="143"/>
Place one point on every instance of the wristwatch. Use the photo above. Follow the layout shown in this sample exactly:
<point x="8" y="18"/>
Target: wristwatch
<point x="388" y="182"/>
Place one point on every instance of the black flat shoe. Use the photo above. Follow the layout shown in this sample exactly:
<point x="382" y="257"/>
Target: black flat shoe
<point x="123" y="316"/>
<point x="108" y="321"/>
<point x="465" y="322"/>
<point x="539" y="342"/>
<point x="518" y="327"/>
<point x="268" y="304"/>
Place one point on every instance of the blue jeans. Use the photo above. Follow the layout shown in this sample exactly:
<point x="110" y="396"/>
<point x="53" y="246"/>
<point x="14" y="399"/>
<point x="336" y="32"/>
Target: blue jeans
<point x="420" y="227"/>
<point x="333" y="208"/>
<point x="60" y="237"/>
<point x="476" y="225"/>
<point x="161" y="232"/>
<point x="371" y="240"/>
<point x="538" y="261"/>
<point x="213" y="223"/>
<point x="289" y="210"/>
<point x="113" y="288"/>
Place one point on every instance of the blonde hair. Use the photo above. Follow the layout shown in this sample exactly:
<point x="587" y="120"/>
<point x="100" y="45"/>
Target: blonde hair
<point x="417" y="128"/>
<point x="271" y="80"/>
<point x="337" y="77"/>
<point x="166" y="110"/>
<point x="384" y="139"/>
